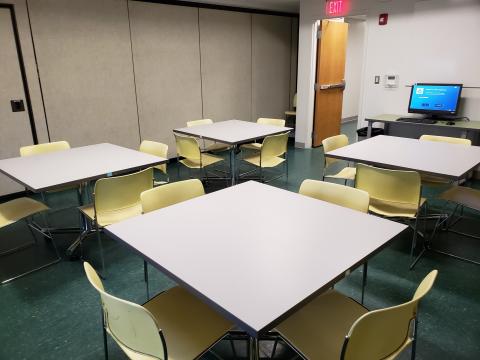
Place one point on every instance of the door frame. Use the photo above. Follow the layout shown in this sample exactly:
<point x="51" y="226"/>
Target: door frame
<point x="21" y="64"/>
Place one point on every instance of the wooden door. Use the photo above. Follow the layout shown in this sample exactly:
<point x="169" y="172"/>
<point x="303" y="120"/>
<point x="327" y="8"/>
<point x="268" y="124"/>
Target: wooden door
<point x="16" y="130"/>
<point x="330" y="79"/>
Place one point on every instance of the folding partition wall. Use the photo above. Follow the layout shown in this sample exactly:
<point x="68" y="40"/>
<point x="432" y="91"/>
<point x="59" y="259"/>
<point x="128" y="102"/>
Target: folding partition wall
<point x="123" y="71"/>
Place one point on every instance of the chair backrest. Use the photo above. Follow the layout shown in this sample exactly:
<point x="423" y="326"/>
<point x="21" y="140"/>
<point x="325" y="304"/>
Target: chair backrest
<point x="121" y="192"/>
<point x="391" y="185"/>
<point x="345" y="196"/>
<point x="157" y="149"/>
<point x="447" y="139"/>
<point x="199" y="122"/>
<point x="170" y="194"/>
<point x="44" y="148"/>
<point x="268" y="121"/>
<point x="274" y="145"/>
<point x="129" y="324"/>
<point x="187" y="147"/>
<point x="333" y="143"/>
<point x="380" y="333"/>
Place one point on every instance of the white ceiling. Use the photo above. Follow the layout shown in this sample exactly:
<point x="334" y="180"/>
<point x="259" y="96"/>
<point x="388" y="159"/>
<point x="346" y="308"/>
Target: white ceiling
<point x="276" y="5"/>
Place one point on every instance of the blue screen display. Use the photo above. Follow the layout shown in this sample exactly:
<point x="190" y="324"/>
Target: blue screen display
<point x="432" y="98"/>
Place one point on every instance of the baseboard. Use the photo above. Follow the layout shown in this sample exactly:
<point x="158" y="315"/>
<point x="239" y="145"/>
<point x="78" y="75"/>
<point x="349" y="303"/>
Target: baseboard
<point x="349" y="119"/>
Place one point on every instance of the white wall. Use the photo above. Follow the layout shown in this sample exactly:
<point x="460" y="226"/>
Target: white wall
<point x="433" y="40"/>
<point x="353" y="67"/>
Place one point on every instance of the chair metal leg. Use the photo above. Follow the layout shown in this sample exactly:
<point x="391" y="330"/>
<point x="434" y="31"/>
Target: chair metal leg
<point x="274" y="350"/>
<point x="413" y="261"/>
<point x="100" y="246"/>
<point x="105" y="340"/>
<point x="145" y="274"/>
<point x="414" y="342"/>
<point x="364" y="280"/>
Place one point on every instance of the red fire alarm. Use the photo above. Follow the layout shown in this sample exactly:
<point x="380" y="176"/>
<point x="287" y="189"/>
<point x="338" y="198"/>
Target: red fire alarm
<point x="382" y="19"/>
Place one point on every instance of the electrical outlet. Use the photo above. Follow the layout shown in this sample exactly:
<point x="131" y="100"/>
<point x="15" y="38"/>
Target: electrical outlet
<point x="377" y="79"/>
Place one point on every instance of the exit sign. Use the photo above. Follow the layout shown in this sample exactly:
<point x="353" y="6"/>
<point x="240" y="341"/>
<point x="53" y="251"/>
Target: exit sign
<point x="336" y="7"/>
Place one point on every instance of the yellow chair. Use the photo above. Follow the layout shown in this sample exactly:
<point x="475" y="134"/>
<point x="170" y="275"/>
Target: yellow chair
<point x="341" y="195"/>
<point x="263" y="121"/>
<point x="44" y="148"/>
<point x="447" y="139"/>
<point x="393" y="194"/>
<point x="333" y="326"/>
<point x="345" y="196"/>
<point x="209" y="146"/>
<point x="190" y="155"/>
<point x="166" y="195"/>
<point x="273" y="153"/>
<point x="173" y="325"/>
<point x="156" y="149"/>
<point x="116" y="199"/>
<point x="330" y="144"/>
<point x="16" y="210"/>
<point x="432" y="180"/>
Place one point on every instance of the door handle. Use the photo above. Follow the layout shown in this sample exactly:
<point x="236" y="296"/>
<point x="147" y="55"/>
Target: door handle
<point x="340" y="85"/>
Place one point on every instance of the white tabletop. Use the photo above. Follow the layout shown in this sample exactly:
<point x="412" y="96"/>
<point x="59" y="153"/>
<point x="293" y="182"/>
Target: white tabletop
<point x="76" y="165"/>
<point x="232" y="132"/>
<point x="451" y="161"/>
<point x="255" y="252"/>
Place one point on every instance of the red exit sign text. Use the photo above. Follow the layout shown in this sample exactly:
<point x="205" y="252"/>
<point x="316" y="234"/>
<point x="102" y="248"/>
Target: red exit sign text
<point x="336" y="7"/>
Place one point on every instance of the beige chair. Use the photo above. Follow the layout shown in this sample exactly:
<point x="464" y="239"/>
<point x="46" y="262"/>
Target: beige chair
<point x="16" y="210"/>
<point x="209" y="146"/>
<point x="173" y="325"/>
<point x="156" y="149"/>
<point x="333" y="326"/>
<point x="190" y="155"/>
<point x="166" y="195"/>
<point x="44" y="148"/>
<point x="432" y="180"/>
<point x="330" y="144"/>
<point x="341" y="195"/>
<point x="263" y="121"/>
<point x="272" y="154"/>
<point x="116" y="199"/>
<point x="393" y="194"/>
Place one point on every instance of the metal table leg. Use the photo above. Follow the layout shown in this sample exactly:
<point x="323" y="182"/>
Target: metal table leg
<point x="233" y="171"/>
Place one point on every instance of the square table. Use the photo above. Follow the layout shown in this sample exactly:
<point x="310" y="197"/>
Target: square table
<point x="254" y="252"/>
<point x="450" y="161"/>
<point x="76" y="166"/>
<point x="57" y="169"/>
<point x="234" y="133"/>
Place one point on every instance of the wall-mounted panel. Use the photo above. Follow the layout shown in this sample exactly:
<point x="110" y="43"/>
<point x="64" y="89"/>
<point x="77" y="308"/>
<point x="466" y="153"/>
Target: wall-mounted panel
<point x="271" y="58"/>
<point x="226" y="60"/>
<point x="85" y="65"/>
<point x="166" y="55"/>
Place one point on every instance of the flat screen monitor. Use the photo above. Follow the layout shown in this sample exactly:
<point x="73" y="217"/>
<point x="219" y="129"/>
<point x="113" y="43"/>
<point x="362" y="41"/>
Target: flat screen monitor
<point x="434" y="99"/>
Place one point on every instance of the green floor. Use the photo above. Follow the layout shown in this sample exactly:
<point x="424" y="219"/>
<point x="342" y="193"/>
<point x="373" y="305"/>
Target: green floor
<point x="55" y="314"/>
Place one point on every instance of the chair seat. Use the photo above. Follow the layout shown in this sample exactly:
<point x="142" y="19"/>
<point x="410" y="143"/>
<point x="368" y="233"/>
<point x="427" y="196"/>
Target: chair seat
<point x="17" y="209"/>
<point x="190" y="326"/>
<point x="217" y="147"/>
<point x="347" y="173"/>
<point x="464" y="196"/>
<point x="252" y="146"/>
<point x="266" y="163"/>
<point x="431" y="180"/>
<point x="206" y="161"/>
<point x="394" y="209"/>
<point x="319" y="328"/>
<point x="112" y="217"/>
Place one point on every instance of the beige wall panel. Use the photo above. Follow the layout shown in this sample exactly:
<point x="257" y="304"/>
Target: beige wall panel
<point x="271" y="57"/>
<point x="225" y="43"/>
<point x="293" y="61"/>
<point x="167" y="68"/>
<point x="85" y="64"/>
